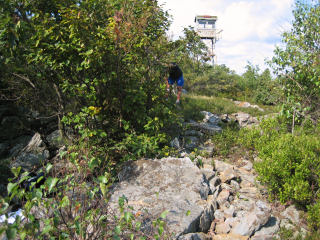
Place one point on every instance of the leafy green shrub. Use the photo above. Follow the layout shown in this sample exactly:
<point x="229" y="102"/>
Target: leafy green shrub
<point x="98" y="65"/>
<point x="297" y="61"/>
<point x="290" y="163"/>
<point x="226" y="140"/>
<point x="72" y="203"/>
<point x="314" y="215"/>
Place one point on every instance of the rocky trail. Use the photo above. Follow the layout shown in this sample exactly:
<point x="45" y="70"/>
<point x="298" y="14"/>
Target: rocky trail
<point x="219" y="200"/>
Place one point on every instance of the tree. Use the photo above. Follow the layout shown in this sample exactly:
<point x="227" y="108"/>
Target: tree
<point x="97" y="64"/>
<point x="298" y="63"/>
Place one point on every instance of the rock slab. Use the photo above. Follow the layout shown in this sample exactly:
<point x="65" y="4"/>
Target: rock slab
<point x="172" y="184"/>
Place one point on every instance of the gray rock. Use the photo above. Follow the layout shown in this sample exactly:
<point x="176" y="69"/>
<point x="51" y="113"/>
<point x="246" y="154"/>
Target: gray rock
<point x="244" y="119"/>
<point x="222" y="166"/>
<point x="213" y="190"/>
<point x="244" y="205"/>
<point x="29" y="161"/>
<point x="209" y="174"/>
<point x="168" y="184"/>
<point x="227" y="175"/>
<point x="235" y="185"/>
<point x="254" y="220"/>
<point x="207" y="149"/>
<point x="223" y="196"/>
<point x="191" y="142"/>
<point x="18" y="144"/>
<point x="175" y="143"/>
<point x="211" y="118"/>
<point x="248" y="165"/>
<point x="193" y="133"/>
<point x="207" y="128"/>
<point x="227" y="187"/>
<point x="217" y="191"/>
<point x="206" y="218"/>
<point x="292" y="214"/>
<point x="231" y="221"/>
<point x="229" y="236"/>
<point x="219" y="215"/>
<point x="215" y="181"/>
<point x="195" y="236"/>
<point x="257" y="107"/>
<point x="225" y="118"/>
<point x="32" y="155"/>
<point x="222" y="228"/>
<point x="249" y="192"/>
<point x="229" y="212"/>
<point x="269" y="230"/>
<point x="55" y="139"/>
<point x="285" y="223"/>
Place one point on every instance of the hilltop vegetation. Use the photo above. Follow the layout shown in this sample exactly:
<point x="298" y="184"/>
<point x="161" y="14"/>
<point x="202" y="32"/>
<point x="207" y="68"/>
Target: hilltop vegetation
<point x="99" y="67"/>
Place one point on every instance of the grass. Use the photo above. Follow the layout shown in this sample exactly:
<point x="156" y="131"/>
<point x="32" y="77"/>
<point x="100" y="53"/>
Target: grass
<point x="193" y="104"/>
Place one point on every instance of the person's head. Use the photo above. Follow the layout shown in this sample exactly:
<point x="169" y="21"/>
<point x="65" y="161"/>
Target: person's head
<point x="174" y="71"/>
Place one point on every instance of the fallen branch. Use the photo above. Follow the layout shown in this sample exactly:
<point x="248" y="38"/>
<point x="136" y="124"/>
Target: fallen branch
<point x="24" y="78"/>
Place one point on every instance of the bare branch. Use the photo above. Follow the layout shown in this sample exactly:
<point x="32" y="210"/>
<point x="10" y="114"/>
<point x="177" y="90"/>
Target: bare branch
<point x="24" y="78"/>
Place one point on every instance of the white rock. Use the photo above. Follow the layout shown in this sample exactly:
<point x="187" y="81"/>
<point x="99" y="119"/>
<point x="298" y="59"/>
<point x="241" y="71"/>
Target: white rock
<point x="12" y="216"/>
<point x="292" y="214"/>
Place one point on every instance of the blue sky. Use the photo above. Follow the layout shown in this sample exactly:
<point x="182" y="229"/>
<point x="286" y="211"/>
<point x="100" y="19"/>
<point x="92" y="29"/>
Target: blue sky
<point x="251" y="28"/>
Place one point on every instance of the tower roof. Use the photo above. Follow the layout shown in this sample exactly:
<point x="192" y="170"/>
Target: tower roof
<point x="205" y="17"/>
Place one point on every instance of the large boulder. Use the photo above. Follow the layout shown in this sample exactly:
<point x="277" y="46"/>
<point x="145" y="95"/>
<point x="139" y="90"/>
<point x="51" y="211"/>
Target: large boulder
<point x="205" y="127"/>
<point x="172" y="184"/>
<point x="32" y="155"/>
<point x="245" y="119"/>
<point x="253" y="220"/>
<point x="55" y="139"/>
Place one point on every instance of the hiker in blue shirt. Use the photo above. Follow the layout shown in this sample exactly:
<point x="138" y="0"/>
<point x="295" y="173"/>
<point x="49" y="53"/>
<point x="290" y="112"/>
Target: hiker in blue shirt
<point x="175" y="76"/>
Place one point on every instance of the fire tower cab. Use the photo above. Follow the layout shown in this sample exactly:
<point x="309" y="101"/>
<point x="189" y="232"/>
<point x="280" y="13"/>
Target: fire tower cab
<point x="206" y="29"/>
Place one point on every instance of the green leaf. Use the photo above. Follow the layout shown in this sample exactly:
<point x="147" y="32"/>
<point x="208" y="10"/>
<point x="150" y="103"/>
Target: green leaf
<point x="64" y="202"/>
<point x="117" y="229"/>
<point x="51" y="183"/>
<point x="160" y="230"/>
<point x="16" y="171"/>
<point x="138" y="225"/>
<point x="11" y="233"/>
<point x="103" y="188"/>
<point x="23" y="235"/>
<point x="48" y="168"/>
<point x="128" y="216"/>
<point x="103" y="179"/>
<point x="11" y="186"/>
<point x="164" y="214"/>
<point x="122" y="200"/>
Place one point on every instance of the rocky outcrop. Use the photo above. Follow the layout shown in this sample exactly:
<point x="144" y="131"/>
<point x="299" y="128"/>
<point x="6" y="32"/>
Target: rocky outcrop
<point x="32" y="155"/>
<point x="220" y="202"/>
<point x="23" y="141"/>
<point x="197" y="133"/>
<point x="244" y="119"/>
<point x="172" y="184"/>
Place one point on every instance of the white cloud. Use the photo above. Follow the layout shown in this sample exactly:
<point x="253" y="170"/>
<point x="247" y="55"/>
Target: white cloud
<point x="251" y="28"/>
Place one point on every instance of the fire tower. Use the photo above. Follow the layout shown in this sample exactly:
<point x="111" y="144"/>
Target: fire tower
<point x="206" y="29"/>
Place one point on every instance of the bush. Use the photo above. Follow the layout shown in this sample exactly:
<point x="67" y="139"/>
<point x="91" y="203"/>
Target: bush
<point x="226" y="140"/>
<point x="72" y="203"/>
<point x="290" y="165"/>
